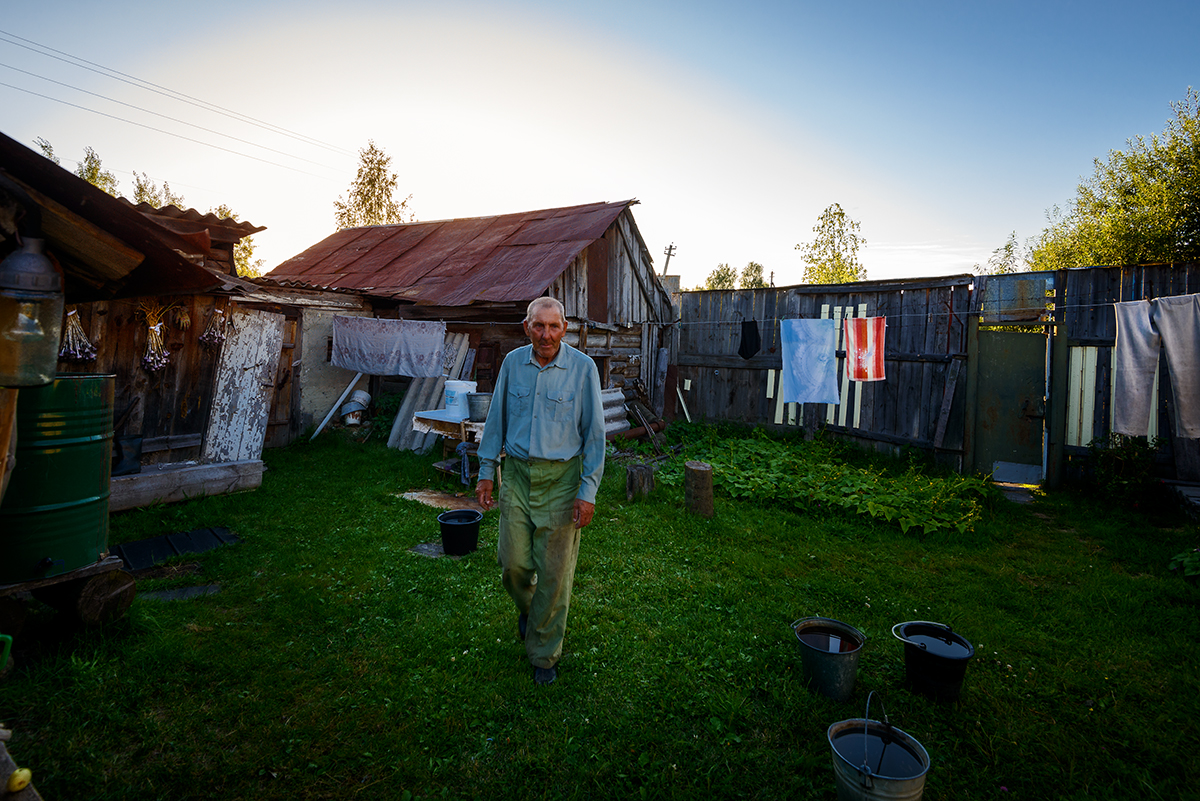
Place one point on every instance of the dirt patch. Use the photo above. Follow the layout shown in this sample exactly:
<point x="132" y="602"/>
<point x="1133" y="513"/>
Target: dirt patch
<point x="442" y="500"/>
<point x="168" y="571"/>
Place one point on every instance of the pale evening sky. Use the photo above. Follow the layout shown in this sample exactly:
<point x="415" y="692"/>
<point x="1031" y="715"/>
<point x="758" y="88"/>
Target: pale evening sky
<point x="941" y="127"/>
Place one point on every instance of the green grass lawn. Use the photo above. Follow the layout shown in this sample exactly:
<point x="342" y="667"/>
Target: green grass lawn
<point x="335" y="663"/>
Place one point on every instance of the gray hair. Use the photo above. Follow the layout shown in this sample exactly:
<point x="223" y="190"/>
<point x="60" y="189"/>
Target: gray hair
<point x="537" y="304"/>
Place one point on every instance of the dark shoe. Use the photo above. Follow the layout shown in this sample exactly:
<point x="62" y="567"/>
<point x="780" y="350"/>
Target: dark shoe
<point x="522" y="622"/>
<point x="545" y="675"/>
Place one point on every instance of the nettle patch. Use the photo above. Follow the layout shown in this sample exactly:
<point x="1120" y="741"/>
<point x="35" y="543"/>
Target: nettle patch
<point x="810" y="476"/>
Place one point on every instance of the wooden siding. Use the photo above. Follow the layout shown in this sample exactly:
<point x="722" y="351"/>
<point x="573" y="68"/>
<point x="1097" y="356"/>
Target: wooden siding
<point x="172" y="403"/>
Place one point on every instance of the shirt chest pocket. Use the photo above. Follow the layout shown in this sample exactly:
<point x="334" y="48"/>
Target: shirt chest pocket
<point x="560" y="405"/>
<point x="518" y="398"/>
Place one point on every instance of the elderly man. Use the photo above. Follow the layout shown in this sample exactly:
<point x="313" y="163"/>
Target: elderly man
<point x="547" y="415"/>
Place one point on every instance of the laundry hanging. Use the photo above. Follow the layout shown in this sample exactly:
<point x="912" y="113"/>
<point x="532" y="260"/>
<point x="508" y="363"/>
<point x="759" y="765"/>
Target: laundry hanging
<point x="809" y="364"/>
<point x="1173" y="322"/>
<point x="750" y="339"/>
<point x="389" y="347"/>
<point x="864" y="348"/>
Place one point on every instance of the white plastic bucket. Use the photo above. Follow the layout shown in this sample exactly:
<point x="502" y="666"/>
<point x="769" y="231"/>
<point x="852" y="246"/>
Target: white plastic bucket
<point x="456" y="397"/>
<point x="359" y="396"/>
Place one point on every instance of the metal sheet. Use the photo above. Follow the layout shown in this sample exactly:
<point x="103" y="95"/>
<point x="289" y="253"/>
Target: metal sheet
<point x="1016" y="297"/>
<point x="1012" y="390"/>
<point x="502" y="258"/>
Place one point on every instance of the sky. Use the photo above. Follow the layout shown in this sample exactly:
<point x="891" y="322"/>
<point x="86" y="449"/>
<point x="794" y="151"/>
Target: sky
<point x="940" y="127"/>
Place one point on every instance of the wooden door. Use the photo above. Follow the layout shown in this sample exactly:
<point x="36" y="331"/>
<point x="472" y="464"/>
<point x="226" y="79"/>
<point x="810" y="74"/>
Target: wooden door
<point x="282" y="425"/>
<point x="244" y="388"/>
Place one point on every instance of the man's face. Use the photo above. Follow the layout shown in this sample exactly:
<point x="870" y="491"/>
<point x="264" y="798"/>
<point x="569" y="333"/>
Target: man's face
<point x="545" y="330"/>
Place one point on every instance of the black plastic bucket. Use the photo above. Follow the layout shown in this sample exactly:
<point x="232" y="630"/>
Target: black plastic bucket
<point x="460" y="531"/>
<point x="935" y="658"/>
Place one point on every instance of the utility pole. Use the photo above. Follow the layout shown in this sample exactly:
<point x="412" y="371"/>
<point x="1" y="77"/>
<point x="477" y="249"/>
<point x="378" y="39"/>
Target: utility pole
<point x="670" y="251"/>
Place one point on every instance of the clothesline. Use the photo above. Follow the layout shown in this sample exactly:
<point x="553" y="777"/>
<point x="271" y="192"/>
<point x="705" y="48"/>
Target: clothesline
<point x="988" y="309"/>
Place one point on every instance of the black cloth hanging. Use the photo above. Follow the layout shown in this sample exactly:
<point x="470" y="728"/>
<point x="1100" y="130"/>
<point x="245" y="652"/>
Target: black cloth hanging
<point x="750" y="341"/>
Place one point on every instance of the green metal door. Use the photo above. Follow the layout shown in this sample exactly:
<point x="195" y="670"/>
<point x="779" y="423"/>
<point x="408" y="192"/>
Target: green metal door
<point x="1011" y="406"/>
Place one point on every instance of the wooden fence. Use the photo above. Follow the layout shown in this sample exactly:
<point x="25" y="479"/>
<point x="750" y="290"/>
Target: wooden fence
<point x="920" y="403"/>
<point x="932" y="326"/>
<point x="1082" y="392"/>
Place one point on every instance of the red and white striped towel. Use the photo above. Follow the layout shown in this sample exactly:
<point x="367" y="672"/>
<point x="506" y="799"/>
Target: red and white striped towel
<point x="864" y="348"/>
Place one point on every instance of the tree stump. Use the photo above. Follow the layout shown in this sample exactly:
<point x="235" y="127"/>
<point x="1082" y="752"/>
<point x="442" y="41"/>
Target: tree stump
<point x="698" y="488"/>
<point x="639" y="481"/>
<point x="94" y="600"/>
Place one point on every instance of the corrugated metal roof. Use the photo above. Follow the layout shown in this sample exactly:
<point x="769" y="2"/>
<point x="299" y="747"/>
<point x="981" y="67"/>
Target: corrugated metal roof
<point x="510" y="257"/>
<point x="188" y="221"/>
<point x="106" y="247"/>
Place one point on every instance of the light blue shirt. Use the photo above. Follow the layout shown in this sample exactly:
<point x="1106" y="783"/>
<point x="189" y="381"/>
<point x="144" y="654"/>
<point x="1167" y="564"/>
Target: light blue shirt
<point x="553" y="413"/>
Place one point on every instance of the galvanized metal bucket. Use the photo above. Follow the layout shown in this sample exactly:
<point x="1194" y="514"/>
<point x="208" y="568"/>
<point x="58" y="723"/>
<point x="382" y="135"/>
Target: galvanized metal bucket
<point x="874" y="760"/>
<point x="829" y="651"/>
<point x="478" y="404"/>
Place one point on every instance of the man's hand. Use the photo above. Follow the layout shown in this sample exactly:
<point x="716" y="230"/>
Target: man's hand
<point x="483" y="494"/>
<point x="583" y="512"/>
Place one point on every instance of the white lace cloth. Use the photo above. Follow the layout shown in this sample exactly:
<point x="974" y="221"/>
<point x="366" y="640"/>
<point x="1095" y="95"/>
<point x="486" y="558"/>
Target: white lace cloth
<point x="389" y="347"/>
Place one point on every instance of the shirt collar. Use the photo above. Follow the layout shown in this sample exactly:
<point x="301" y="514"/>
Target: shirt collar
<point x="557" y="361"/>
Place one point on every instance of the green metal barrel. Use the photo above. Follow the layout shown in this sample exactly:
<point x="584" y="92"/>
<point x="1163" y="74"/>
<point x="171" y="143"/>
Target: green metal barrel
<point x="54" y="516"/>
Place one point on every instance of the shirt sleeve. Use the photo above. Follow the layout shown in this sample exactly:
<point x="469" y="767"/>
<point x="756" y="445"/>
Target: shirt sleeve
<point x="591" y="425"/>
<point x="493" y="430"/>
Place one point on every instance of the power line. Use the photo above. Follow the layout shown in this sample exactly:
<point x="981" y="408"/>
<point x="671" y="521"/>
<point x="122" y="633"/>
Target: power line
<point x="166" y="117"/>
<point x="140" y="83"/>
<point x="162" y="131"/>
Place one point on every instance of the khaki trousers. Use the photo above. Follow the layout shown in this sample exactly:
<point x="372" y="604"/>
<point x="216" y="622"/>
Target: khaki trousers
<point x="537" y="549"/>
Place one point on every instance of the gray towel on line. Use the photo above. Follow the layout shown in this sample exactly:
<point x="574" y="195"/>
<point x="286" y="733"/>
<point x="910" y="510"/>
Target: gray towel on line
<point x="1178" y="322"/>
<point x="1135" y="358"/>
<point x="1173" y="322"/>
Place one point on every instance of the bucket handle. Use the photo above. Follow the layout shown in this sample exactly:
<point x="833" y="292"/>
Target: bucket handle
<point x="920" y="645"/>
<point x="865" y="772"/>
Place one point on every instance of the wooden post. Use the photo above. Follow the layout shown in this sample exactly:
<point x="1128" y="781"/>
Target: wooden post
<point x="93" y="600"/>
<point x="698" y="488"/>
<point x="639" y="481"/>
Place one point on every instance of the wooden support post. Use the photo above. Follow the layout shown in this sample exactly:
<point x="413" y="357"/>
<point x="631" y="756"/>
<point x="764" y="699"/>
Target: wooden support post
<point x="93" y="600"/>
<point x="698" y="488"/>
<point x="639" y="481"/>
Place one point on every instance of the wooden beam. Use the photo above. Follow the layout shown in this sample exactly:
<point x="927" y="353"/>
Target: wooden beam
<point x="104" y="254"/>
<point x="170" y="483"/>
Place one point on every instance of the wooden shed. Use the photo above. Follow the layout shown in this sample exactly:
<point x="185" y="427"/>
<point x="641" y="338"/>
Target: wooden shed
<point x="120" y="261"/>
<point x="479" y="274"/>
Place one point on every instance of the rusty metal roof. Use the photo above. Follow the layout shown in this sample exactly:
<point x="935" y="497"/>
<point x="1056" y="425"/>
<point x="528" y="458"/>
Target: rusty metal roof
<point x="510" y="257"/>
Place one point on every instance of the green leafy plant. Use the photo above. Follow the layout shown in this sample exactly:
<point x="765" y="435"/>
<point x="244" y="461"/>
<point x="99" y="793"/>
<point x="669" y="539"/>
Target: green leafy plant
<point x="386" y="407"/>
<point x="1187" y="563"/>
<point x="1122" y="466"/>
<point x="812" y="476"/>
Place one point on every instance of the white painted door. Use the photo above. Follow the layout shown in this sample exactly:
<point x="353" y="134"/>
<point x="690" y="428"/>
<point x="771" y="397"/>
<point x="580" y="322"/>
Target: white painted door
<point x="245" y="385"/>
